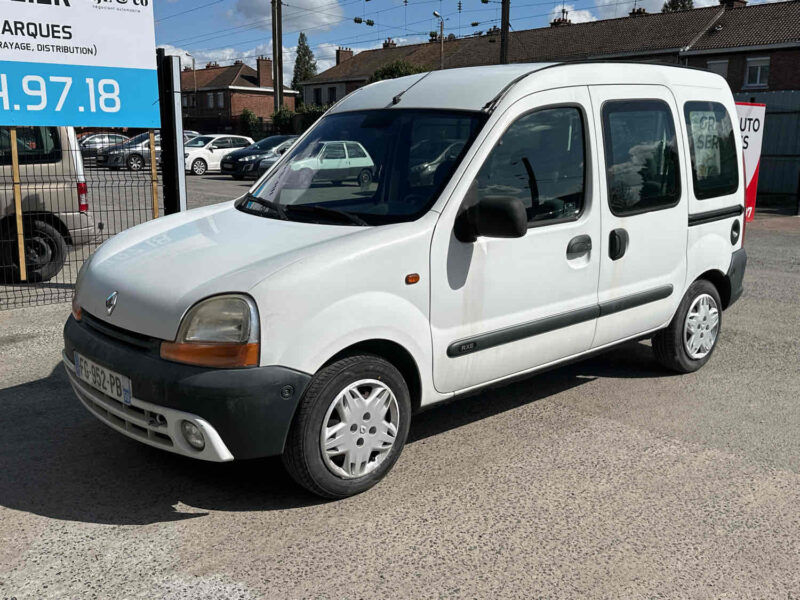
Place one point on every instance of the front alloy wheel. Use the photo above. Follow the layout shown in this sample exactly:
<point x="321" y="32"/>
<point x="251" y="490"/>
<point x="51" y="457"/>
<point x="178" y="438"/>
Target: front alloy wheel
<point x="349" y="428"/>
<point x="199" y="167"/>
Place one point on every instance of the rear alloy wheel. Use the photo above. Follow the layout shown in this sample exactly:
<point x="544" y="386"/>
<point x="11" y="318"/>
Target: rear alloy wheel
<point x="364" y="178"/>
<point x="350" y="427"/>
<point x="199" y="166"/>
<point x="689" y="340"/>
<point x="135" y="162"/>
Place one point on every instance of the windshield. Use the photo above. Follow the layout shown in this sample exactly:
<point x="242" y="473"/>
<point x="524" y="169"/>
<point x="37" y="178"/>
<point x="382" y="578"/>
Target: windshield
<point x="198" y="142"/>
<point x="375" y="167"/>
<point x="268" y="143"/>
<point x="139" y="139"/>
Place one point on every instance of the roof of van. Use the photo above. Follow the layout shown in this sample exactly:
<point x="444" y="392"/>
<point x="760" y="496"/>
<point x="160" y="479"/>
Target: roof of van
<point x="475" y="88"/>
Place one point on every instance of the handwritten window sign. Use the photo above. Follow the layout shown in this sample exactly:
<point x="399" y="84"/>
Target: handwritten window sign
<point x="78" y="62"/>
<point x="751" y="126"/>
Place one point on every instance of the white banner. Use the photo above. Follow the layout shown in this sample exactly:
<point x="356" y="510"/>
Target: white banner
<point x="751" y="125"/>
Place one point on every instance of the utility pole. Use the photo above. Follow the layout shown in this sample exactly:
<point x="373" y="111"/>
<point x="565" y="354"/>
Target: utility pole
<point x="504" y="26"/>
<point x="277" y="53"/>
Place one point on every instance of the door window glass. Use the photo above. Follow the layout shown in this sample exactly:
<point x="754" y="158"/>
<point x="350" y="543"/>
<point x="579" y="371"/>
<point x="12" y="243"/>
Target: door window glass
<point x="641" y="156"/>
<point x="333" y="152"/>
<point x="35" y="145"/>
<point x="540" y="160"/>
<point x="715" y="168"/>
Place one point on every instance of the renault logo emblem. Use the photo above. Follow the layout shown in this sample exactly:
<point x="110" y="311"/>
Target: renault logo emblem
<point x="111" y="302"/>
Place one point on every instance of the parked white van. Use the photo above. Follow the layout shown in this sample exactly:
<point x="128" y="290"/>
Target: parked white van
<point x="589" y="204"/>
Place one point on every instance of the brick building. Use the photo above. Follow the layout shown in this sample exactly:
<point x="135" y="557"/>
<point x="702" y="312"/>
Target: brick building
<point x="213" y="98"/>
<point x="756" y="48"/>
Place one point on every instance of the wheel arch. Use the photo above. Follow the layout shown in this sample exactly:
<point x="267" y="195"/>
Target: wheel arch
<point x="720" y="281"/>
<point x="395" y="354"/>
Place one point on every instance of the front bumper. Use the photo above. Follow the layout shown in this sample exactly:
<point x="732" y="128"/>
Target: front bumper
<point x="243" y="168"/>
<point x="243" y="413"/>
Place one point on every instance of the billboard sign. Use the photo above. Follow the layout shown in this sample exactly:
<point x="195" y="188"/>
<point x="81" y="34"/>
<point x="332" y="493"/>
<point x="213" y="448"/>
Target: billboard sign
<point x="751" y="125"/>
<point x="78" y="62"/>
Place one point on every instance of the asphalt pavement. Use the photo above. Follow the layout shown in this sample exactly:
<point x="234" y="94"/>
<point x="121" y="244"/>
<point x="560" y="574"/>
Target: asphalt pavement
<point x="610" y="478"/>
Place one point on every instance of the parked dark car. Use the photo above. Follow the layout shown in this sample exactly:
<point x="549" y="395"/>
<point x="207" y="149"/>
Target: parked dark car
<point x="91" y="144"/>
<point x="244" y="162"/>
<point x="270" y="159"/>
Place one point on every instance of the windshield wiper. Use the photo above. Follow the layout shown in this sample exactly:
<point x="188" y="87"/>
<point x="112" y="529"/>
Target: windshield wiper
<point x="353" y="218"/>
<point x="277" y="207"/>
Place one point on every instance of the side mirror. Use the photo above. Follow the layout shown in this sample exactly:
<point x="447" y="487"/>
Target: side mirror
<point x="493" y="216"/>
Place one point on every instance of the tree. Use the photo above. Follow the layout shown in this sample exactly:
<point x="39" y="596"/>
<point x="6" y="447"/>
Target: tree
<point x="676" y="5"/>
<point x="305" y="67"/>
<point x="249" y="123"/>
<point x="398" y="68"/>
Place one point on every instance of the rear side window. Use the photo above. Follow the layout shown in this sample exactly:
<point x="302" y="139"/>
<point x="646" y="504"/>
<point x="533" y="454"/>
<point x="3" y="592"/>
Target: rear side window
<point x="35" y="145"/>
<point x="355" y="151"/>
<point x="715" y="169"/>
<point x="642" y="169"/>
<point x="540" y="160"/>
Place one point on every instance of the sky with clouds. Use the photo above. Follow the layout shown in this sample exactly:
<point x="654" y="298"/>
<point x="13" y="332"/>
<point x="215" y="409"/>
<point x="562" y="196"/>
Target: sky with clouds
<point x="227" y="30"/>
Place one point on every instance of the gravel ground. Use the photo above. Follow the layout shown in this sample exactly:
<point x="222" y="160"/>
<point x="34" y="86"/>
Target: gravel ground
<point x="608" y="478"/>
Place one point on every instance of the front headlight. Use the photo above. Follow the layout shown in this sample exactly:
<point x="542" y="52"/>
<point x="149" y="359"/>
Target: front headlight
<point x="221" y="331"/>
<point x="251" y="157"/>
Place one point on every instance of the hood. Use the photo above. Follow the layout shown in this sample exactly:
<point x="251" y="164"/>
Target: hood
<point x="161" y="268"/>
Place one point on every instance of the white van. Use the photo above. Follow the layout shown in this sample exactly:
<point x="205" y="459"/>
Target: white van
<point x="589" y="204"/>
<point x="55" y="202"/>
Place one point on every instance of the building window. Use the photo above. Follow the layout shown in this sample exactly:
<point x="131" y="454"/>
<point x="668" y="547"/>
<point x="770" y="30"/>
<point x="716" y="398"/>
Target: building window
<point x="210" y="99"/>
<point x="720" y="67"/>
<point x="540" y="160"/>
<point x="757" y="74"/>
<point x="317" y="96"/>
<point x="185" y="101"/>
<point x="220" y="99"/>
<point x="331" y="95"/>
<point x="715" y="167"/>
<point x="642" y="170"/>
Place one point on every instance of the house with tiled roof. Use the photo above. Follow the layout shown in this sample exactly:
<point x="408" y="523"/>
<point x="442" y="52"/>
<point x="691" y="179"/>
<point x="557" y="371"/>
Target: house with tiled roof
<point x="213" y="98"/>
<point x="754" y="47"/>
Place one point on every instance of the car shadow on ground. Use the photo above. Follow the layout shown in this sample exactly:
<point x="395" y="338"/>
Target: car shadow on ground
<point x="58" y="461"/>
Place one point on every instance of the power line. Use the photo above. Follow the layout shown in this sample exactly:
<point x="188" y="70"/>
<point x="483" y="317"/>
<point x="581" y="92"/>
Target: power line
<point x="188" y="10"/>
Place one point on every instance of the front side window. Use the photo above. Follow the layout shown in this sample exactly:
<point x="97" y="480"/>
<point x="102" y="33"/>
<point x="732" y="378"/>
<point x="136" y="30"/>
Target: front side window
<point x="540" y="160"/>
<point x="715" y="168"/>
<point x="400" y="160"/>
<point x="35" y="145"/>
<point x="757" y="74"/>
<point x="642" y="169"/>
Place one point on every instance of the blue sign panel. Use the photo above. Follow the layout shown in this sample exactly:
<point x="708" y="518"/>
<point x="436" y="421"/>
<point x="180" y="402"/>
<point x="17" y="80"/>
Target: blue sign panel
<point x="87" y="63"/>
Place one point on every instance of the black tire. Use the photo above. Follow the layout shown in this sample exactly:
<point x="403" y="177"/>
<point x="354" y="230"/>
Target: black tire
<point x="135" y="162"/>
<point x="45" y="251"/>
<point x="364" y="178"/>
<point x="199" y="167"/>
<point x="302" y="455"/>
<point x="668" y="344"/>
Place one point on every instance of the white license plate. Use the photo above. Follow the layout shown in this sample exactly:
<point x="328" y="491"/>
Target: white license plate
<point x="105" y="380"/>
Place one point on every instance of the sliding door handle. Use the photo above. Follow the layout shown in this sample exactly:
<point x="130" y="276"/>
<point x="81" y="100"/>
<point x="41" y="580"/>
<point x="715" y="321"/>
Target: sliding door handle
<point x="578" y="246"/>
<point x="617" y="244"/>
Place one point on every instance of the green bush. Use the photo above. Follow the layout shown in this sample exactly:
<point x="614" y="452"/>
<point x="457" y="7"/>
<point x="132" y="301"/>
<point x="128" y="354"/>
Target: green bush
<point x="398" y="68"/>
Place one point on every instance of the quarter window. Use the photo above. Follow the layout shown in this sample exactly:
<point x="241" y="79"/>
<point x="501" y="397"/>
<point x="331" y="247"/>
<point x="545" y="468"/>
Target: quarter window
<point x="642" y="170"/>
<point x="715" y="168"/>
<point x="540" y="160"/>
<point x="355" y="151"/>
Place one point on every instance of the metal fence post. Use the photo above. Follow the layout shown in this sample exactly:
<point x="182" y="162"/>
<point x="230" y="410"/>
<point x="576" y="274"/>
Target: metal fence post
<point x="23" y="268"/>
<point x="154" y="173"/>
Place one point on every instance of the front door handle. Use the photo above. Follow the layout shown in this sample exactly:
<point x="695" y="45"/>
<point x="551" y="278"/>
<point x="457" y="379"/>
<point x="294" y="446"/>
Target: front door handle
<point x="578" y="246"/>
<point x="617" y="244"/>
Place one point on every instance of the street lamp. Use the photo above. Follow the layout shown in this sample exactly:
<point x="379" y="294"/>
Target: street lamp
<point x="441" y="38"/>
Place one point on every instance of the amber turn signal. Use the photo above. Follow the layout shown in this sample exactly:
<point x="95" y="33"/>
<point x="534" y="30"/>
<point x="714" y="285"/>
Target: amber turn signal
<point x="77" y="313"/>
<point x="412" y="278"/>
<point x="219" y="355"/>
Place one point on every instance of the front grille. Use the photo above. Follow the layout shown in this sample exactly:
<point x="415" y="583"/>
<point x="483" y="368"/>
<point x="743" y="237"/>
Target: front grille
<point x="119" y="334"/>
<point x="140" y="423"/>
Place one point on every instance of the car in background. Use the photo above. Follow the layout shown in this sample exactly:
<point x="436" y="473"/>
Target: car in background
<point x="94" y="142"/>
<point x="189" y="134"/>
<point x="270" y="159"/>
<point x="244" y="162"/>
<point x="204" y="153"/>
<point x="335" y="161"/>
<point x="425" y="173"/>
<point x="55" y="202"/>
<point x="133" y="155"/>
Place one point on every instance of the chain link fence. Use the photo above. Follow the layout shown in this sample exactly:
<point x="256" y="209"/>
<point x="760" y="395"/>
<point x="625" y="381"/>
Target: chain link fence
<point x="74" y="191"/>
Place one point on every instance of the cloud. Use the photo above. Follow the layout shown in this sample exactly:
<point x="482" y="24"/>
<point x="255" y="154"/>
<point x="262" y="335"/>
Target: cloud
<point x="576" y="16"/>
<point x="297" y="14"/>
